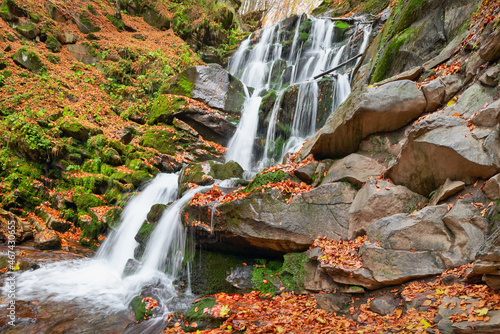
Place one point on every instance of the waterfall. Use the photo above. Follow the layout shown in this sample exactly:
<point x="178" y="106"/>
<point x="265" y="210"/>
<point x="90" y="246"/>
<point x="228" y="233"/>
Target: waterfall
<point x="101" y="281"/>
<point x="287" y="54"/>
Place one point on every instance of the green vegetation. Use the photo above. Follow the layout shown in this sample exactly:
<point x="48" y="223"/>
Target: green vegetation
<point x="269" y="277"/>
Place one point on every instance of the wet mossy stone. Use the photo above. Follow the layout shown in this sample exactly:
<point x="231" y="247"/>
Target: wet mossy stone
<point x="86" y="201"/>
<point x="161" y="140"/>
<point x="139" y="308"/>
<point x="262" y="179"/>
<point x="84" y="24"/>
<point x="111" y="156"/>
<point x="156" y="211"/>
<point x="164" y="109"/>
<point x="205" y="173"/>
<point x="28" y="59"/>
<point x="53" y="44"/>
<point x="210" y="84"/>
<point x="78" y="130"/>
<point x="203" y="319"/>
<point x="268" y="102"/>
<point x="156" y="19"/>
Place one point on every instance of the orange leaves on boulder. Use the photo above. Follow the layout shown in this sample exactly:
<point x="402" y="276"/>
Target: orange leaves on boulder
<point x="340" y="253"/>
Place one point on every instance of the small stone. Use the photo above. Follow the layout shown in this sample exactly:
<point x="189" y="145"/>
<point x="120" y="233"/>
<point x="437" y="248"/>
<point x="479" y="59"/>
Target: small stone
<point x="7" y="48"/>
<point x="492" y="187"/>
<point x="449" y="188"/>
<point x="47" y="239"/>
<point x="384" y="305"/>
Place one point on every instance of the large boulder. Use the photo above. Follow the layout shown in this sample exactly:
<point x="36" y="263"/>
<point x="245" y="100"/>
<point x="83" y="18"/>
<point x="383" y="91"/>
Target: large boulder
<point x="440" y="148"/>
<point x="490" y="48"/>
<point x="82" y="53"/>
<point x="378" y="199"/>
<point x="366" y="111"/>
<point x="355" y="168"/>
<point x="404" y="247"/>
<point x="28" y="59"/>
<point x="212" y="85"/>
<point x="264" y="222"/>
<point x="212" y="124"/>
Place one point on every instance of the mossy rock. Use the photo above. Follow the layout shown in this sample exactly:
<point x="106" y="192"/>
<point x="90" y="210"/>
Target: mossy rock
<point x="111" y="157"/>
<point x="268" y="102"/>
<point x="205" y="173"/>
<point x="85" y="25"/>
<point x="75" y="129"/>
<point x="164" y="109"/>
<point x="28" y="30"/>
<point x="10" y="11"/>
<point x="86" y="201"/>
<point x="156" y="211"/>
<point x="155" y="18"/>
<point x="161" y="140"/>
<point x="28" y="59"/>
<point x="53" y="44"/>
<point x="139" y="308"/>
<point x="203" y="320"/>
<point x="118" y="23"/>
<point x="262" y="179"/>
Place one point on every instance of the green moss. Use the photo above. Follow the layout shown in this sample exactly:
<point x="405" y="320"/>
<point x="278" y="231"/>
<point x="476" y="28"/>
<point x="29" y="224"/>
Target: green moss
<point x="119" y="25"/>
<point x="139" y="308"/>
<point x="262" y="179"/>
<point x="183" y="86"/>
<point x="53" y="44"/>
<point x="164" y="108"/>
<point x="54" y="59"/>
<point x="341" y="25"/>
<point x="86" y="201"/>
<point x="28" y="59"/>
<point x="410" y="11"/>
<point x="161" y="140"/>
<point x="262" y="274"/>
<point x="385" y="62"/>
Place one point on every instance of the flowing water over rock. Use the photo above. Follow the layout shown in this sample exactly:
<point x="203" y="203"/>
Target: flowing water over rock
<point x="279" y="60"/>
<point x="99" y="286"/>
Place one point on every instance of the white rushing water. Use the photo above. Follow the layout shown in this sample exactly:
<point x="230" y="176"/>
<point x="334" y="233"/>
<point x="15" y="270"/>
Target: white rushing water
<point x="287" y="54"/>
<point x="101" y="281"/>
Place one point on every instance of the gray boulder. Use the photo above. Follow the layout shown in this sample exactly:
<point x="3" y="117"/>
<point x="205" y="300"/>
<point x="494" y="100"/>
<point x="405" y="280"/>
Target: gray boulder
<point x="449" y="188"/>
<point x="472" y="100"/>
<point x="212" y="85"/>
<point x="434" y="92"/>
<point x="81" y="53"/>
<point x="366" y="111"/>
<point x="491" y="76"/>
<point x="440" y="148"/>
<point x="492" y="188"/>
<point x="355" y="168"/>
<point x="47" y="240"/>
<point x="487" y="117"/>
<point x="487" y="264"/>
<point x="264" y="222"/>
<point x="490" y="47"/>
<point x="378" y="199"/>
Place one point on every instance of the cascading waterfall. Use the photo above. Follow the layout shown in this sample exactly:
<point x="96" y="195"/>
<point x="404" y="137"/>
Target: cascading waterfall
<point x="101" y="281"/>
<point x="280" y="59"/>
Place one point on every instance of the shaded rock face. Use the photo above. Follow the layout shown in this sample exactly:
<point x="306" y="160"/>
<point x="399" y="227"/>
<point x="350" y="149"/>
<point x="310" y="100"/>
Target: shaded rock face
<point x="404" y="247"/>
<point x="212" y="85"/>
<point x="355" y="169"/>
<point x="379" y="199"/>
<point x="81" y="53"/>
<point x="440" y="148"/>
<point x="366" y="111"/>
<point x="263" y="222"/>
<point x="487" y="264"/>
